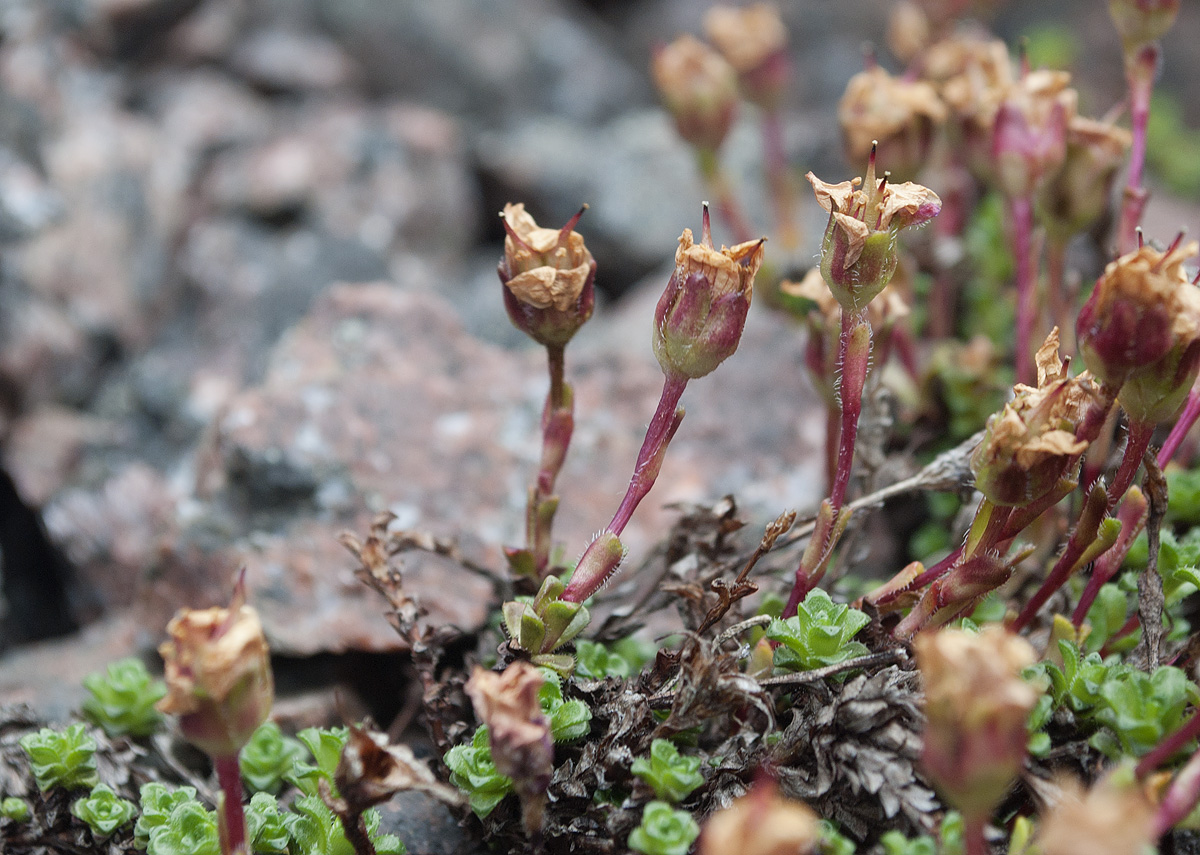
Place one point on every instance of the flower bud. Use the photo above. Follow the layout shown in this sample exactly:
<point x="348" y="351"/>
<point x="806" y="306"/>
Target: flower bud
<point x="1029" y="137"/>
<point x="1078" y="194"/>
<point x="1112" y="818"/>
<point x="218" y="673"/>
<point x="1140" y="22"/>
<point x="699" y="318"/>
<point x="699" y="88"/>
<point x="548" y="277"/>
<point x="976" y="709"/>
<point x="858" y="250"/>
<point x="518" y="730"/>
<point x="761" y="823"/>
<point x="1142" y="311"/>
<point x="1030" y="445"/>
<point x="900" y="114"/>
<point x="754" y="41"/>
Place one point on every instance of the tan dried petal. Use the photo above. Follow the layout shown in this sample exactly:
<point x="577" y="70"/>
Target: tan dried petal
<point x="1050" y="365"/>
<point x="371" y="771"/>
<point x="508" y="704"/>
<point x="834" y="196"/>
<point x="856" y="233"/>
<point x="1108" y="819"/>
<point x="747" y="37"/>
<point x="209" y="654"/>
<point x="761" y="823"/>
<point x="907" y="204"/>
<point x="877" y="106"/>
<point x="971" y="678"/>
<point x="545" y="267"/>
<point x="728" y="270"/>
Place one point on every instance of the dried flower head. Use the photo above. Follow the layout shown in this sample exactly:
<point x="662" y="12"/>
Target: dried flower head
<point x="897" y="114"/>
<point x="754" y="41"/>
<point x="699" y="88"/>
<point x="975" y="76"/>
<point x="858" y="251"/>
<point x="371" y="771"/>
<point x="1142" y="22"/>
<point x="1111" y="818"/>
<point x="218" y="673"/>
<point x="1076" y="196"/>
<point x="976" y="708"/>
<point x="1030" y="444"/>
<point x="1029" y="137"/>
<point x="909" y="30"/>
<point x="699" y="318"/>
<point x="1142" y="308"/>
<point x="548" y="276"/>
<point x="518" y="730"/>
<point x="761" y="823"/>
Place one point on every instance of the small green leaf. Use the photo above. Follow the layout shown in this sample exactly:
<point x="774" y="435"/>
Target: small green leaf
<point x="325" y="745"/>
<point x="189" y="830"/>
<point x="820" y="634"/>
<point x="833" y="842"/>
<point x="671" y="775"/>
<point x="473" y="772"/>
<point x="15" y="809"/>
<point x="62" y="758"/>
<point x="664" y="831"/>
<point x="265" y="825"/>
<point x="268" y="757"/>
<point x="123" y="698"/>
<point x="103" y="810"/>
<point x="157" y="805"/>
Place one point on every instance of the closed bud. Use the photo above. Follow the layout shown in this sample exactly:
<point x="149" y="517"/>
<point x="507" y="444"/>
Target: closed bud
<point x="1029" y="138"/>
<point x="897" y="114"/>
<point x="699" y="318"/>
<point x="218" y="673"/>
<point x="754" y="41"/>
<point x="700" y="90"/>
<point x="1141" y="22"/>
<point x="761" y="823"/>
<point x="1030" y="445"/>
<point x="976" y="709"/>
<point x="548" y="277"/>
<point x="1076" y="196"/>
<point x="1140" y="330"/>
<point x="858" y="250"/>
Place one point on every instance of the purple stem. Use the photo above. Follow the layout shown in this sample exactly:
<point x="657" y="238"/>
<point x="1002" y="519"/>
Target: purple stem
<point x="1021" y="211"/>
<point x="1135" y="449"/>
<point x="854" y="362"/>
<point x="658" y="434"/>
<point x="1169" y="746"/>
<point x="1191" y="411"/>
<point x="233" y="820"/>
<point x="1139" y="74"/>
<point x="1182" y="796"/>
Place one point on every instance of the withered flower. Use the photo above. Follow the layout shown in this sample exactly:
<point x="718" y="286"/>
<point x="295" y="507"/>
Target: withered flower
<point x="218" y="673"/>
<point x="974" y="76"/>
<point x="1029" y="137"/>
<point x="699" y="318"/>
<point x="761" y="823"/>
<point x="371" y="771"/>
<point x="699" y="88"/>
<point x="1111" y="818"/>
<point x="1078" y="194"/>
<point x="1140" y="329"/>
<point x="976" y="708"/>
<point x="899" y="115"/>
<point x="1031" y="444"/>
<point x="858" y="251"/>
<point x="518" y="731"/>
<point x="548" y="276"/>
<point x="1141" y="22"/>
<point x="754" y="41"/>
<point x="908" y="31"/>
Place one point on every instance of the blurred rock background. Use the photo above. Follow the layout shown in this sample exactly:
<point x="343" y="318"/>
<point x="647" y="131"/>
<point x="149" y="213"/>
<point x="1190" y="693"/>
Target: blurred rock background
<point x="248" y="300"/>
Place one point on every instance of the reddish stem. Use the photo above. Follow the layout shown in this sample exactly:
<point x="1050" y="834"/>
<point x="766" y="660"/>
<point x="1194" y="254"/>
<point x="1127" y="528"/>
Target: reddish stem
<point x="1139" y="74"/>
<point x="233" y="820"/>
<point x="854" y="362"/>
<point x="1180" y="799"/>
<point x="1021" y="213"/>
<point x="1169" y="746"/>
<point x="662" y="427"/>
<point x="1133" y="520"/>
<point x="1135" y="449"/>
<point x="974" y="837"/>
<point x="1187" y="418"/>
